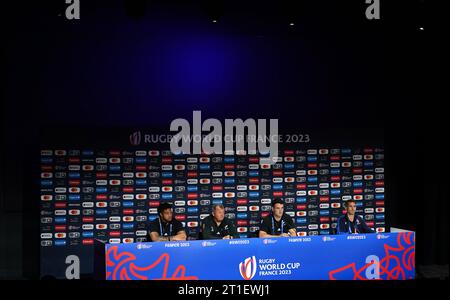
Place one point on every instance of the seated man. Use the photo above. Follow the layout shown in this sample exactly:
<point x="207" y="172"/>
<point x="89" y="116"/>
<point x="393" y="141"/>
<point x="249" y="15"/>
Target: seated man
<point x="217" y="226"/>
<point x="277" y="224"/>
<point x="350" y="223"/>
<point x="165" y="227"/>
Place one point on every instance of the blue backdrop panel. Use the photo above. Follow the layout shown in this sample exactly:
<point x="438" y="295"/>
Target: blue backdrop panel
<point x="351" y="257"/>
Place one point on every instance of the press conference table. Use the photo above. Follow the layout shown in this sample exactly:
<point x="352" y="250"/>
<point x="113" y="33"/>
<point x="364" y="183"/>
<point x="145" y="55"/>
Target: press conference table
<point x="384" y="256"/>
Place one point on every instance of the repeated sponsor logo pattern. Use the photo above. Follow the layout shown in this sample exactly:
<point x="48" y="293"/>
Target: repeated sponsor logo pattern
<point x="111" y="195"/>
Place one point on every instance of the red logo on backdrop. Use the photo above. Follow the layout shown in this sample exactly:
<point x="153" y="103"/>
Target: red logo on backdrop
<point x="324" y="199"/>
<point x="101" y="197"/>
<point x="180" y="217"/>
<point x="242" y="223"/>
<point x="166" y="160"/>
<point x="253" y="160"/>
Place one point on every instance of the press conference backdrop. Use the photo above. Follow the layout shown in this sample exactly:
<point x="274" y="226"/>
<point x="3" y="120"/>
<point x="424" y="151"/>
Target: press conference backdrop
<point x="111" y="194"/>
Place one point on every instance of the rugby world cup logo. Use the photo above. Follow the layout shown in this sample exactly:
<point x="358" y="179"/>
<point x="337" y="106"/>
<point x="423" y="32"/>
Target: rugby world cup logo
<point x="135" y="138"/>
<point x="248" y="268"/>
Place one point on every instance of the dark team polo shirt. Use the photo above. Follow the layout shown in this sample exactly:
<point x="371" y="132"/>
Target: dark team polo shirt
<point x="272" y="227"/>
<point x="165" y="229"/>
<point x="213" y="231"/>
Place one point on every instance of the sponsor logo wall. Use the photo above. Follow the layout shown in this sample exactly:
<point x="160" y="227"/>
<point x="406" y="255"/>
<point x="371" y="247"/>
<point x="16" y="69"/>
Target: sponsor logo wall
<point x="111" y="195"/>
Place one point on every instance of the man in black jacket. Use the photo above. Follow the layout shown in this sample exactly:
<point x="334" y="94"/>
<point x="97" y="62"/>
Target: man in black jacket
<point x="217" y="226"/>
